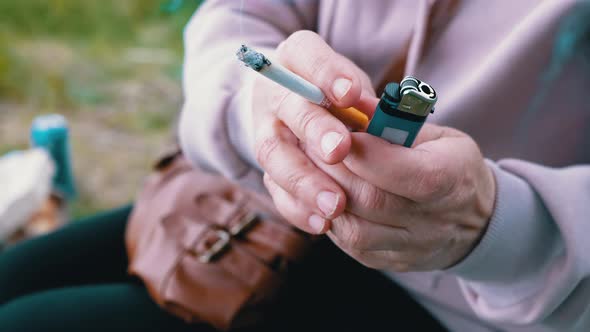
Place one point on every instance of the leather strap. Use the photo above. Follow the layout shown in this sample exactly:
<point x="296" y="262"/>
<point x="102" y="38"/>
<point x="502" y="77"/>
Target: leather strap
<point x="206" y="249"/>
<point x="240" y="274"/>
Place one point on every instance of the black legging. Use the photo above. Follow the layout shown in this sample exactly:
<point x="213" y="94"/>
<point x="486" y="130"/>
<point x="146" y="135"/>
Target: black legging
<point x="75" y="280"/>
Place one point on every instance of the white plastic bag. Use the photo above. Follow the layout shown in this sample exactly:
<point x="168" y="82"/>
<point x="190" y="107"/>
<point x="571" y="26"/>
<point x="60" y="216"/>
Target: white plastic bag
<point x="25" y="184"/>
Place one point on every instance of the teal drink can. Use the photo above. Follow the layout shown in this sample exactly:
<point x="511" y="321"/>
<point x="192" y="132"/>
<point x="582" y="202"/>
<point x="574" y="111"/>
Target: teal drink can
<point x="51" y="133"/>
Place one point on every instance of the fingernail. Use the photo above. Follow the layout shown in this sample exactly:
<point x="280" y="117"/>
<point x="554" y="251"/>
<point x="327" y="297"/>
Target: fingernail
<point x="330" y="141"/>
<point x="327" y="202"/>
<point x="316" y="223"/>
<point x="340" y="87"/>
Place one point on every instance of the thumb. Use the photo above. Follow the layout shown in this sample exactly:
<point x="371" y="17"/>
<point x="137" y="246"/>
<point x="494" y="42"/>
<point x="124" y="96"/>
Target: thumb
<point x="431" y="132"/>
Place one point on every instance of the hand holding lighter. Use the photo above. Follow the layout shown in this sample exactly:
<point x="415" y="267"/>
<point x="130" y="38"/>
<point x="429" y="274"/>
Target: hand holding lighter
<point x="402" y="110"/>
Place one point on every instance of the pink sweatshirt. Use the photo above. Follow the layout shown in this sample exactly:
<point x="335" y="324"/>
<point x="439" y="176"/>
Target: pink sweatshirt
<point x="530" y="272"/>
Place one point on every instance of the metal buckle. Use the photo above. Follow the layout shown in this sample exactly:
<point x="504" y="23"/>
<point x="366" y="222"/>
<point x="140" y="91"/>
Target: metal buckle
<point x="243" y="224"/>
<point x="219" y="246"/>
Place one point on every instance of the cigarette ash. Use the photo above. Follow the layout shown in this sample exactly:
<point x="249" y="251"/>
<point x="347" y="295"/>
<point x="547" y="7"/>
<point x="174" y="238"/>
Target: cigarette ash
<point x="251" y="58"/>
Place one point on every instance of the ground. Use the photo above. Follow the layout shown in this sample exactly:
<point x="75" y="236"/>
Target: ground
<point x="112" y="68"/>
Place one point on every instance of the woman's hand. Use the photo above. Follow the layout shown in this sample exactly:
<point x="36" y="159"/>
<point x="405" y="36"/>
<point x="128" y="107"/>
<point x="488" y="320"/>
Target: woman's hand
<point x="423" y="208"/>
<point x="285" y="121"/>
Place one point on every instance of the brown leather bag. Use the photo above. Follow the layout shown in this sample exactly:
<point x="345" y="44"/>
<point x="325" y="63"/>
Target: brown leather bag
<point x="206" y="249"/>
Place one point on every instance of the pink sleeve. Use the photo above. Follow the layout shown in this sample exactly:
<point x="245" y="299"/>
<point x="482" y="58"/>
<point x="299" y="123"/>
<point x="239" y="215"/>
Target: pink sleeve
<point x="532" y="265"/>
<point x="215" y="129"/>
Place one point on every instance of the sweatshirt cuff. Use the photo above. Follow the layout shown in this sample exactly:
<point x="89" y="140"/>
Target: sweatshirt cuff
<point x="519" y="239"/>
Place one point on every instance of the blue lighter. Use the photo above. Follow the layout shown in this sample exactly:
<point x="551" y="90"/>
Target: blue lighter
<point x="402" y="110"/>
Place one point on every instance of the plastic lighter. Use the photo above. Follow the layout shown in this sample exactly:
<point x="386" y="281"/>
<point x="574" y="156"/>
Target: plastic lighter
<point x="402" y="110"/>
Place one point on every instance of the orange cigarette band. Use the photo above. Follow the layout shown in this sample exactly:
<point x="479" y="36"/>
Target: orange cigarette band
<point x="351" y="117"/>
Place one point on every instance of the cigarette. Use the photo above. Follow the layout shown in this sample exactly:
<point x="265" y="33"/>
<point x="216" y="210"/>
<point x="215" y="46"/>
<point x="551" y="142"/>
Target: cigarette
<point x="352" y="117"/>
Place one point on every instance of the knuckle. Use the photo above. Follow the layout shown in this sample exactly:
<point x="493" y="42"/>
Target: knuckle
<point x="433" y="182"/>
<point x="319" y="66"/>
<point x="295" y="182"/>
<point x="352" y="235"/>
<point x="466" y="179"/>
<point x="265" y="148"/>
<point x="370" y="197"/>
<point x="323" y="68"/>
<point x="307" y="121"/>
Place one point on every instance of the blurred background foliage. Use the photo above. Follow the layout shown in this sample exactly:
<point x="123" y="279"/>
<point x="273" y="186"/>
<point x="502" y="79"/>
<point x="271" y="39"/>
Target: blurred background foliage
<point x="112" y="67"/>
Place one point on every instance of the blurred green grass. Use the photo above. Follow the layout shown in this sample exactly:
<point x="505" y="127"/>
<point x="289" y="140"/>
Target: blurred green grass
<point x="111" y="67"/>
<point x="89" y="42"/>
